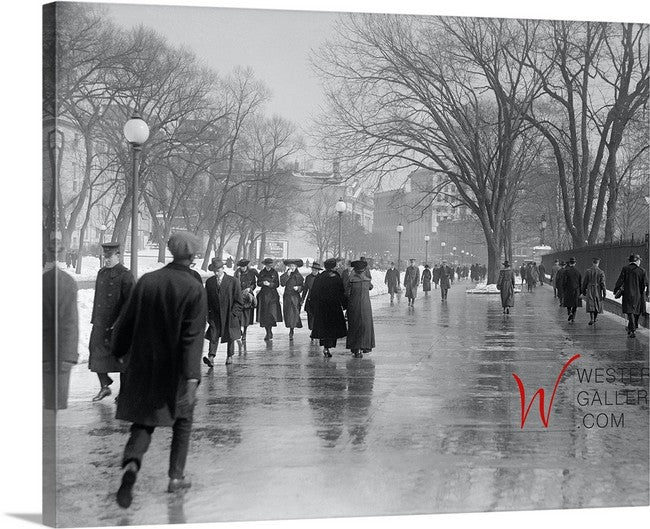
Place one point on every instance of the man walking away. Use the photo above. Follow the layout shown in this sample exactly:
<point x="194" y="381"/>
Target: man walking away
<point x="112" y="290"/>
<point x="593" y="289"/>
<point x="632" y="284"/>
<point x="571" y="289"/>
<point x="411" y="281"/>
<point x="554" y="270"/>
<point x="161" y="329"/>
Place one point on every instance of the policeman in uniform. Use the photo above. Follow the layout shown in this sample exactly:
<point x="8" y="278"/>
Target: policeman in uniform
<point x="112" y="290"/>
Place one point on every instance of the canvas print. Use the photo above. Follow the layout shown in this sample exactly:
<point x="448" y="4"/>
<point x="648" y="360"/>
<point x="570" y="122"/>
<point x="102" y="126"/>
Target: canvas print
<point x="308" y="264"/>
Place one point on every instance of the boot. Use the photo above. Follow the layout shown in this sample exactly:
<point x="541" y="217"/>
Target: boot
<point x="105" y="391"/>
<point x="176" y="484"/>
<point x="125" y="492"/>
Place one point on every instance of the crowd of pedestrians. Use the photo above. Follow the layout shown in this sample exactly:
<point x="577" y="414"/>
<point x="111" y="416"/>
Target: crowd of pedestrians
<point x="152" y="331"/>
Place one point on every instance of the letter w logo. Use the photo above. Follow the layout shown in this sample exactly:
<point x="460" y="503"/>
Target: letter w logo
<point x="544" y="415"/>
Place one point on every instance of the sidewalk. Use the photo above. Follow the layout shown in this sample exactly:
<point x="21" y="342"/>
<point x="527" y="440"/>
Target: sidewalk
<point x="428" y="422"/>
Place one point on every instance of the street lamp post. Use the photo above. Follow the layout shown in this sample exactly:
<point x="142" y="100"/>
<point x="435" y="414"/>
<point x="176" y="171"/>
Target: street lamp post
<point x="136" y="132"/>
<point x="102" y="230"/>
<point x="442" y="244"/>
<point x="399" y="229"/>
<point x="426" y="248"/>
<point x="340" y="209"/>
<point x="542" y="227"/>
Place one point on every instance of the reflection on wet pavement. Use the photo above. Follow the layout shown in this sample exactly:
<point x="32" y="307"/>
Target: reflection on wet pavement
<point x="428" y="422"/>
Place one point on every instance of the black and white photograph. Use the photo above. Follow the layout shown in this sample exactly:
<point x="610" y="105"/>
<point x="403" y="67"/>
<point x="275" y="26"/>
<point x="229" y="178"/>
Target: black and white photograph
<point x="329" y="263"/>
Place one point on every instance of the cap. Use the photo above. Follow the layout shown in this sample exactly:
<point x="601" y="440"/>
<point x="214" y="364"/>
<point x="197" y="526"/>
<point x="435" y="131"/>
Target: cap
<point x="634" y="257"/>
<point x="267" y="261"/>
<point x="317" y="266"/>
<point x="183" y="244"/>
<point x="243" y="262"/>
<point x="359" y="265"/>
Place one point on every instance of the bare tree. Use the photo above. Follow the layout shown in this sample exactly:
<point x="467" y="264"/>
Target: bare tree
<point x="594" y="81"/>
<point x="447" y="95"/>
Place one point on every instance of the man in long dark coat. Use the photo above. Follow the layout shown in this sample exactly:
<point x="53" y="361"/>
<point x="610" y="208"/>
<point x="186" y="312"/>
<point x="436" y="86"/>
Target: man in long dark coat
<point x="161" y="329"/>
<point x="306" y="293"/>
<point x="435" y="275"/>
<point x="541" y="269"/>
<point x="445" y="280"/>
<point x="292" y="281"/>
<point x="634" y="284"/>
<point x="571" y="289"/>
<point x="248" y="283"/>
<point x="411" y="281"/>
<point x="392" y="280"/>
<point x="269" y="312"/>
<point x="594" y="290"/>
<point x="224" y="312"/>
<point x="328" y="302"/>
<point x="361" y="332"/>
<point x="60" y="330"/>
<point x="112" y="290"/>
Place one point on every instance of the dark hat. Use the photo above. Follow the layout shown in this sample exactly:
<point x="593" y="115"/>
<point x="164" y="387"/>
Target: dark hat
<point x="330" y="263"/>
<point x="111" y="246"/>
<point x="317" y="266"/>
<point x="596" y="260"/>
<point x="634" y="257"/>
<point x="556" y="261"/>
<point x="392" y="263"/>
<point x="412" y="259"/>
<point x="215" y="264"/>
<point x="506" y="263"/>
<point x="267" y="261"/>
<point x="562" y="263"/>
<point x="572" y="260"/>
<point x="243" y="262"/>
<point x="183" y="244"/>
<point x="362" y="258"/>
<point x="426" y="266"/>
<point x="298" y="262"/>
<point x="359" y="265"/>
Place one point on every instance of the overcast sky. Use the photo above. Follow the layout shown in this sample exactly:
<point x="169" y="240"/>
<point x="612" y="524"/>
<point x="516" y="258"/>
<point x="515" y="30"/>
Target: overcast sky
<point x="276" y="44"/>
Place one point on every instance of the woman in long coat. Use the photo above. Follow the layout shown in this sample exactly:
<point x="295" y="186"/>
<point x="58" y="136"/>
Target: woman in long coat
<point x="593" y="289"/>
<point x="506" y="286"/>
<point x="247" y="283"/>
<point x="426" y="279"/>
<point x="361" y="332"/>
<point x="292" y="281"/>
<point x="269" y="312"/>
<point x="634" y="282"/>
<point x="328" y="302"/>
<point x="306" y="293"/>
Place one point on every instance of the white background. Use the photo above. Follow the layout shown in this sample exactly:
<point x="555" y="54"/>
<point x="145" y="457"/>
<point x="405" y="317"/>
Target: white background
<point x="20" y="221"/>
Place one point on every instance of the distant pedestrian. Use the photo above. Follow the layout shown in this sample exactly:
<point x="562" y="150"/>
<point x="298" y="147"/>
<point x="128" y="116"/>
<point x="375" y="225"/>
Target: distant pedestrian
<point x="68" y="259"/>
<point x="306" y="293"/>
<point x="554" y="270"/>
<point x="541" y="269"/>
<point x="112" y="290"/>
<point x="571" y="289"/>
<point x="445" y="281"/>
<point x="632" y="285"/>
<point x="411" y="282"/>
<point x="506" y="287"/>
<point x="531" y="276"/>
<point x="559" y="282"/>
<point x="247" y="277"/>
<point x="392" y="280"/>
<point x="435" y="275"/>
<point x="60" y="329"/>
<point x="328" y="301"/>
<point x="361" y="332"/>
<point x="161" y="329"/>
<point x="594" y="290"/>
<point x="269" y="312"/>
<point x="292" y="281"/>
<point x="223" y="293"/>
<point x="426" y="280"/>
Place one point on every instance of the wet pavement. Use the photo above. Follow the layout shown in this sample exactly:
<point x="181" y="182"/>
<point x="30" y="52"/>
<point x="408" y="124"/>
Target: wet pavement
<point x="428" y="422"/>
